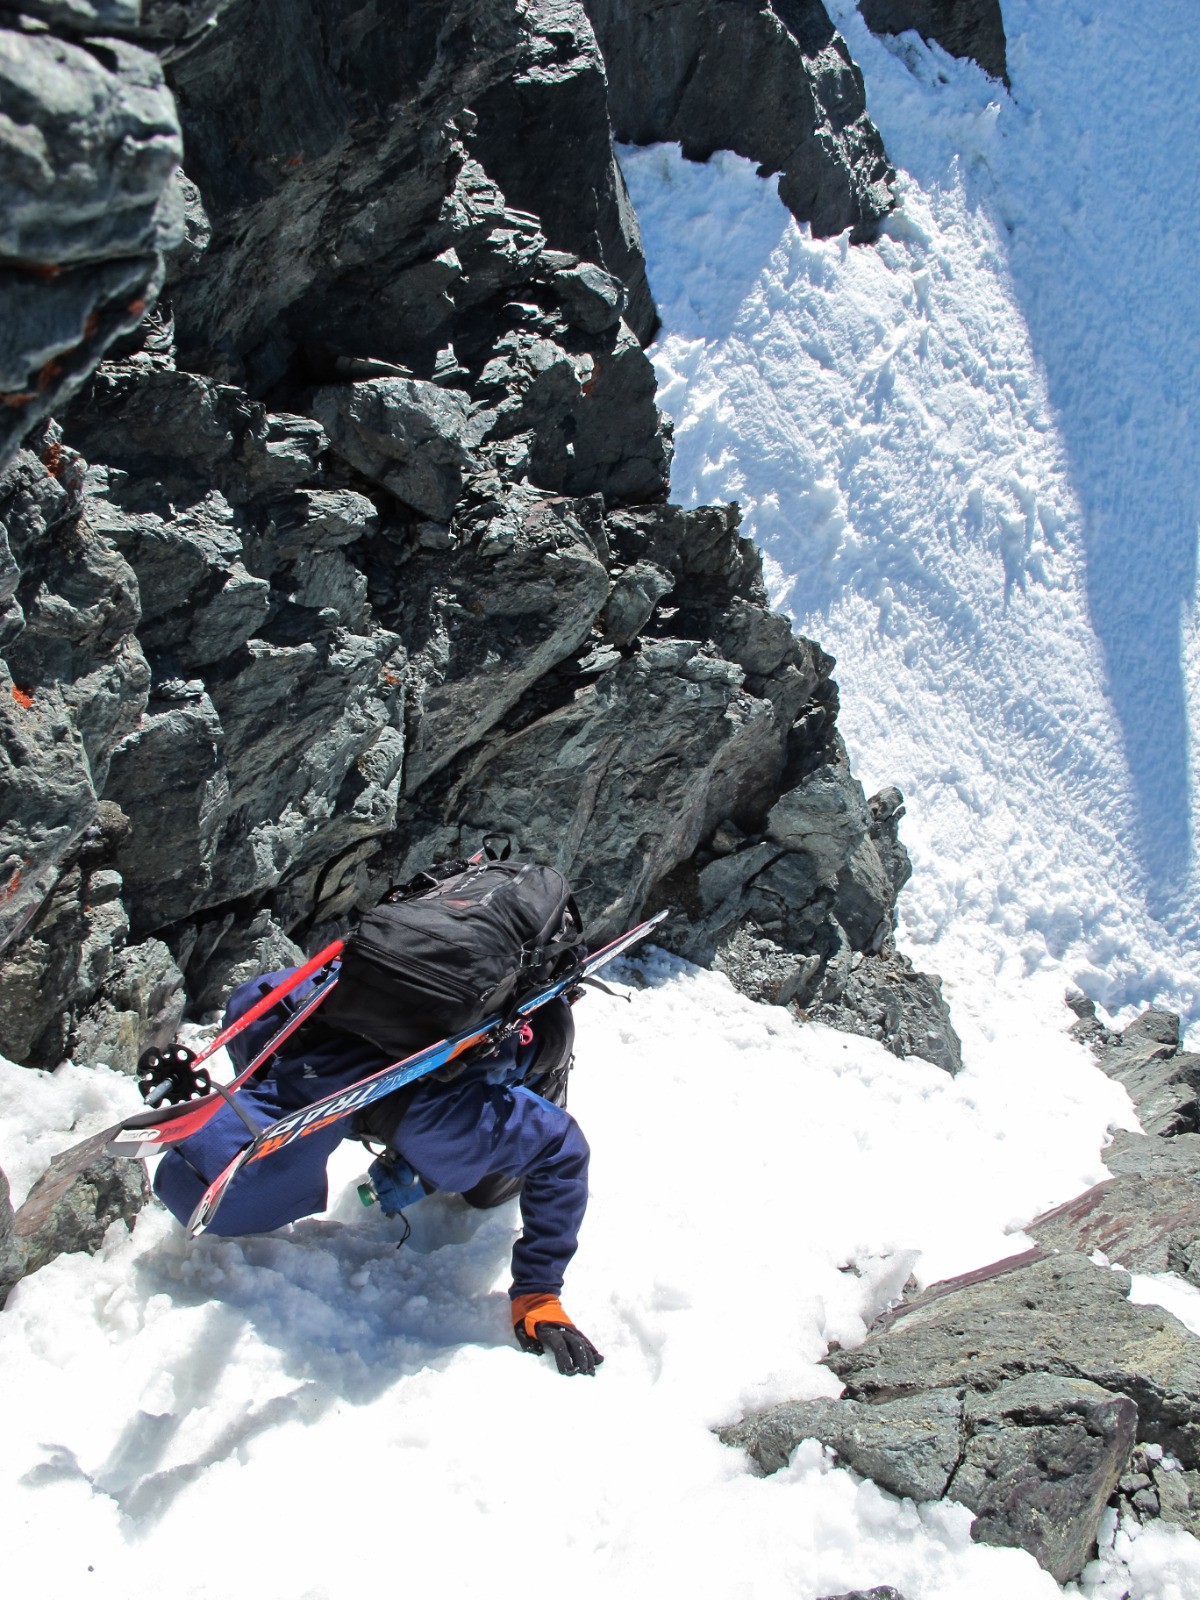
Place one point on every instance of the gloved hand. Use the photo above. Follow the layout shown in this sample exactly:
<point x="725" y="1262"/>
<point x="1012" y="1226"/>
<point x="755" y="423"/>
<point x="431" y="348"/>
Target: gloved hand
<point x="541" y="1324"/>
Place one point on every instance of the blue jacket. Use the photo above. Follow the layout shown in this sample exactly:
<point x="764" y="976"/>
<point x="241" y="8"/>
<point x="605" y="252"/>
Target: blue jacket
<point x="455" y="1134"/>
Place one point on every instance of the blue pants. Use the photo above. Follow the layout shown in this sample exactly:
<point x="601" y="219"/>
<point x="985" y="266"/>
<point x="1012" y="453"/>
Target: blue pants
<point x="453" y="1135"/>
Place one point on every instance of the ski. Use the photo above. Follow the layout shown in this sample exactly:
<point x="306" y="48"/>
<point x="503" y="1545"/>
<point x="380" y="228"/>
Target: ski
<point x="307" y="1119"/>
<point x="147" y="1132"/>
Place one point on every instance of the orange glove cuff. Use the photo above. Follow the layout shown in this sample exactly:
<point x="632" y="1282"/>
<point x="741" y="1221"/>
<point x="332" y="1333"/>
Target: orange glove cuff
<point x="531" y="1309"/>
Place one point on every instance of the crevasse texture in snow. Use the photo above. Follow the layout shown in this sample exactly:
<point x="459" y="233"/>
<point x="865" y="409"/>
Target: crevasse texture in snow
<point x="972" y="454"/>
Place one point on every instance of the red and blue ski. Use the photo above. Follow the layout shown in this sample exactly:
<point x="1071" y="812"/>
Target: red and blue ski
<point x="146" y="1133"/>
<point x="306" y="1120"/>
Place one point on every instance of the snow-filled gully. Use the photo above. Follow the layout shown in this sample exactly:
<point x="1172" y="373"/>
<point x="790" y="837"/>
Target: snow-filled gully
<point x="946" y="444"/>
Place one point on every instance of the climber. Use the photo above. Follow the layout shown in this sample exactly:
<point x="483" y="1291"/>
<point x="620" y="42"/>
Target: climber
<point x="497" y="1129"/>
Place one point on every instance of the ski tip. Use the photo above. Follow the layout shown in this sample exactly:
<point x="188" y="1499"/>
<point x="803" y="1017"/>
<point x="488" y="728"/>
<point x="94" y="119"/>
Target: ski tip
<point x="134" y="1142"/>
<point x="199" y="1219"/>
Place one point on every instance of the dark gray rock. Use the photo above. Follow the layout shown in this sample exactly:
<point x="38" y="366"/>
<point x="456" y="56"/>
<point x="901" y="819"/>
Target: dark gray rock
<point x="1175" y="1498"/>
<point x="1042" y="1458"/>
<point x="169" y="777"/>
<point x="1163" y="1081"/>
<point x="591" y="299"/>
<point x="804" y="915"/>
<point x="378" y="267"/>
<point x="579" y="196"/>
<point x="881" y="1592"/>
<point x="414" y="439"/>
<point x="885" y="998"/>
<point x="631" y="601"/>
<point x="1059" y="1315"/>
<point x="72" y="1205"/>
<point x="241" y="953"/>
<point x="158" y="21"/>
<point x="200" y="603"/>
<point x="176" y="437"/>
<point x="886" y="808"/>
<point x="1036" y="1458"/>
<point x="973" y="28"/>
<point x="73" y="684"/>
<point x="1087" y="1027"/>
<point x="88" y="144"/>
<point x="71" y="987"/>
<point x="620" y="783"/>
<point x="1146" y="1224"/>
<point x="298" y="662"/>
<point x="909" y="1447"/>
<point x="141" y="1004"/>
<point x="13" y="1255"/>
<point x="772" y="81"/>
<point x="86" y="185"/>
<point x="580" y="423"/>
<point x="519" y="596"/>
<point x="1146" y="1217"/>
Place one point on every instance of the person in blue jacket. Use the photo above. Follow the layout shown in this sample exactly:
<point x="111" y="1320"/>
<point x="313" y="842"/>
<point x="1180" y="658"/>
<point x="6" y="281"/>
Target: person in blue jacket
<point x="489" y="1130"/>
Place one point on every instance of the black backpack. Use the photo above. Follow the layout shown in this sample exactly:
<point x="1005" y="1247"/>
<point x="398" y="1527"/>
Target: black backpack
<point x="461" y="942"/>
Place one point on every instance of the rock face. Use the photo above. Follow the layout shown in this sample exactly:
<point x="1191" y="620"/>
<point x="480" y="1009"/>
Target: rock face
<point x="1020" y="1391"/>
<point x="769" y="79"/>
<point x="972" y="28"/>
<point x="358" y="179"/>
<point x="1156" y="1486"/>
<point x="89" y="141"/>
<point x="884" y="1592"/>
<point x="359" y="548"/>
<point x="1147" y="1215"/>
<point x="75" y="1201"/>
<point x="13" y="1256"/>
<point x="1163" y="1081"/>
<point x="885" y="998"/>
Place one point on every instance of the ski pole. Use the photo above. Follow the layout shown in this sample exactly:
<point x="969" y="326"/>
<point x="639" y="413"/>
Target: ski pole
<point x="266" y="1003"/>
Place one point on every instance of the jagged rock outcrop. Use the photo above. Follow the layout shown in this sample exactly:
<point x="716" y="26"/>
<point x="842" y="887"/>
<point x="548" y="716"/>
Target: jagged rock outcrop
<point x="1018" y="1390"/>
<point x="884" y="997"/>
<point x="1057" y="1314"/>
<point x="769" y="79"/>
<point x="360" y="547"/>
<point x="883" y="1592"/>
<point x="73" y="1204"/>
<point x="89" y="140"/>
<point x="1037" y="1459"/>
<point x="169" y="22"/>
<point x="1147" y="1215"/>
<point x="353" y="182"/>
<point x="1156" y="1486"/>
<point x="13" y="1256"/>
<point x="972" y="28"/>
<point x="1163" y="1080"/>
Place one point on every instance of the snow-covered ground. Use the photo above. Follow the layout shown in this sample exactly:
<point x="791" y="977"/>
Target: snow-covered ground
<point x="970" y="452"/>
<point x="972" y="455"/>
<point x="294" y="1410"/>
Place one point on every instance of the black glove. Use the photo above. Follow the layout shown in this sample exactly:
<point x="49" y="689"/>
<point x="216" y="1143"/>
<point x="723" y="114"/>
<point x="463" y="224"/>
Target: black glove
<point x="541" y="1325"/>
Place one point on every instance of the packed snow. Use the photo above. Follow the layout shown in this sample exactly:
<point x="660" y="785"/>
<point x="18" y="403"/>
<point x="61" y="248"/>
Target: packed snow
<point x="758" y="1190"/>
<point x="970" y="454"/>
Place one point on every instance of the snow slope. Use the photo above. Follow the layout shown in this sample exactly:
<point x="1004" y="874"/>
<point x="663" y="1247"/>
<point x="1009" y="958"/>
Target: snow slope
<point x="972" y="454"/>
<point x="307" y="1412"/>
